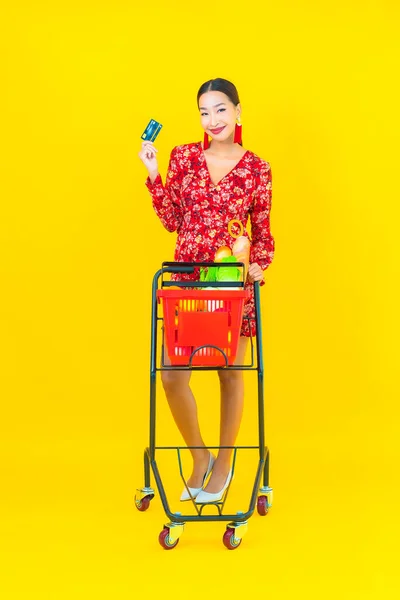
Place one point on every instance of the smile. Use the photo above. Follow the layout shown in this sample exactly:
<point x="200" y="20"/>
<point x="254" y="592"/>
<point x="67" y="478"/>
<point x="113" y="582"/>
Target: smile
<point x="216" y="131"/>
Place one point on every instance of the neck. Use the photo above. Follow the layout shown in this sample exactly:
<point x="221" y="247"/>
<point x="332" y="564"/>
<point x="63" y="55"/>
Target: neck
<point x="224" y="148"/>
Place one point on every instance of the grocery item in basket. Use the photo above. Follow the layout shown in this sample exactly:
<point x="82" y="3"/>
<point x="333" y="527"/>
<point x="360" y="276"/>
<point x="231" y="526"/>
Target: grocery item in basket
<point x="241" y="246"/>
<point x="222" y="252"/>
<point x="208" y="274"/>
<point x="228" y="273"/>
<point x="221" y="273"/>
<point x="240" y="253"/>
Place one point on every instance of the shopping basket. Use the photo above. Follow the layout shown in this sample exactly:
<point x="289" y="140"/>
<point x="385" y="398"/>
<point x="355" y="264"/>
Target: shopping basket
<point x="202" y="327"/>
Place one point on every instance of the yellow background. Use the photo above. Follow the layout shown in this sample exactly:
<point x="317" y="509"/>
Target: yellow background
<point x="79" y="243"/>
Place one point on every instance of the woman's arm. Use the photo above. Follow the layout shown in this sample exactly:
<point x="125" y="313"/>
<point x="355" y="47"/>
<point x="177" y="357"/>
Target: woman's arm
<point x="263" y="244"/>
<point x="167" y="199"/>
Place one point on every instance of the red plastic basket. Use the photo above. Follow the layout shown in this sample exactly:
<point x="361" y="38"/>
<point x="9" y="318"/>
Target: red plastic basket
<point x="194" y="318"/>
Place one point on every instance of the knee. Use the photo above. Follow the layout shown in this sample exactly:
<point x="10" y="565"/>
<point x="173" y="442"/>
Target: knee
<point x="230" y="378"/>
<point x="173" y="381"/>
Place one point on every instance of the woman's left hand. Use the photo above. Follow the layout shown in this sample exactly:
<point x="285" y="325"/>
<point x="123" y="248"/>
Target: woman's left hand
<point x="255" y="273"/>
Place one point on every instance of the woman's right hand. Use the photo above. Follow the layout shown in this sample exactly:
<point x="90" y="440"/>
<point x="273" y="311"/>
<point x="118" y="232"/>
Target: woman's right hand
<point x="148" y="157"/>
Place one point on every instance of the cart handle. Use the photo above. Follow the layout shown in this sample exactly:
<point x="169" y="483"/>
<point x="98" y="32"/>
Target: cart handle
<point x="189" y="267"/>
<point x="174" y="268"/>
<point x="179" y="266"/>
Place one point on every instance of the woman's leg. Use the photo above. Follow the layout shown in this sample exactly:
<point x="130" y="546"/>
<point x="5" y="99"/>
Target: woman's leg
<point x="232" y="399"/>
<point x="184" y="411"/>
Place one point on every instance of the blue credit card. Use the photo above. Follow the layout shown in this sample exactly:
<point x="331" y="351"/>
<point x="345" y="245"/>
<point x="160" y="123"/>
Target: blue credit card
<point x="152" y="130"/>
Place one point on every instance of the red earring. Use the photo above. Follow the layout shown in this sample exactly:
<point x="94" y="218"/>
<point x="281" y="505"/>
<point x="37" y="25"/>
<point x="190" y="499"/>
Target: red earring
<point x="238" y="133"/>
<point x="206" y="143"/>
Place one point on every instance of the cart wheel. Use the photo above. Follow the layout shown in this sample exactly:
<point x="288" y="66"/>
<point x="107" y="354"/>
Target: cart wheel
<point x="262" y="505"/>
<point x="144" y="503"/>
<point x="229" y="539"/>
<point x="163" y="538"/>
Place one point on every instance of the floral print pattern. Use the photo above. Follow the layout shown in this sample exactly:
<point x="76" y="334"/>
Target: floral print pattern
<point x="199" y="210"/>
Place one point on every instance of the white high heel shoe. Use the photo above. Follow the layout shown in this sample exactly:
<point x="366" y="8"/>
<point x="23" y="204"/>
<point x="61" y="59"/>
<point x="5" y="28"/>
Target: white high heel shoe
<point x="205" y="497"/>
<point x="195" y="491"/>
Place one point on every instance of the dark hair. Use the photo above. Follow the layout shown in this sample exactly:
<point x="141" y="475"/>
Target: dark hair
<point x="219" y="85"/>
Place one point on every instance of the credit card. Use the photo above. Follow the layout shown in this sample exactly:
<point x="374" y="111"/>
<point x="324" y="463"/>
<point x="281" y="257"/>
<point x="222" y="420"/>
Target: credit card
<point x="152" y="130"/>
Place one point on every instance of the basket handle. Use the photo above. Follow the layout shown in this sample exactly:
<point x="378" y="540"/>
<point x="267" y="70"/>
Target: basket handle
<point x="207" y="346"/>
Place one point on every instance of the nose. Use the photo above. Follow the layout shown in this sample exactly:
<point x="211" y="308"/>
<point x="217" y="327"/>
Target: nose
<point x="214" y="121"/>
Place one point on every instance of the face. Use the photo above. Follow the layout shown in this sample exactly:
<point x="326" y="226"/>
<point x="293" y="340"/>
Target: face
<point x="218" y="115"/>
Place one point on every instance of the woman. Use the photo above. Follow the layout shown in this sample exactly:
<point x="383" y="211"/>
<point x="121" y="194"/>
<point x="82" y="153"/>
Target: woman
<point x="206" y="187"/>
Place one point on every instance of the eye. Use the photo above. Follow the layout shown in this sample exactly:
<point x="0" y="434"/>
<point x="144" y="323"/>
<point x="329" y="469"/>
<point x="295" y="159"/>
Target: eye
<point x="203" y="114"/>
<point x="222" y="109"/>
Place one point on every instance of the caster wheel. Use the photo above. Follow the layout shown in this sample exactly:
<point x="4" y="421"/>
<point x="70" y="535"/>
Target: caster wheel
<point x="262" y="505"/>
<point x="143" y="504"/>
<point x="229" y="539"/>
<point x="163" y="538"/>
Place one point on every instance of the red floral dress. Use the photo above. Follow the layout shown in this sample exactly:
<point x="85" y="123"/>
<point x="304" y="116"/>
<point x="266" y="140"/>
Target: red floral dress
<point x="200" y="211"/>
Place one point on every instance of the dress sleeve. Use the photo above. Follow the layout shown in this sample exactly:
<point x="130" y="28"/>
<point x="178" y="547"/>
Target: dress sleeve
<point x="166" y="199"/>
<point x="263" y="244"/>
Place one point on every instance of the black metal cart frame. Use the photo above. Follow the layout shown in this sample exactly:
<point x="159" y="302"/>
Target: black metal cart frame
<point x="237" y="526"/>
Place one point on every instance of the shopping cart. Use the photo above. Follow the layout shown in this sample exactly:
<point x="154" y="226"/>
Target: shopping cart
<point x="201" y="329"/>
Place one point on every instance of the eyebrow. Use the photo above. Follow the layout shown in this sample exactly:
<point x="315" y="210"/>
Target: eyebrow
<point x="215" y="106"/>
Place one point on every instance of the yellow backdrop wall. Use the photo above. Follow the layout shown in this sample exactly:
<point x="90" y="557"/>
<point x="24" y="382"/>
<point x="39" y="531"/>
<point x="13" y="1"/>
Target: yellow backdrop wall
<point x="79" y="243"/>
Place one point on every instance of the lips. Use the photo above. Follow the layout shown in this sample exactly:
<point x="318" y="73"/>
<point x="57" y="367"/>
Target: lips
<point x="216" y="131"/>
